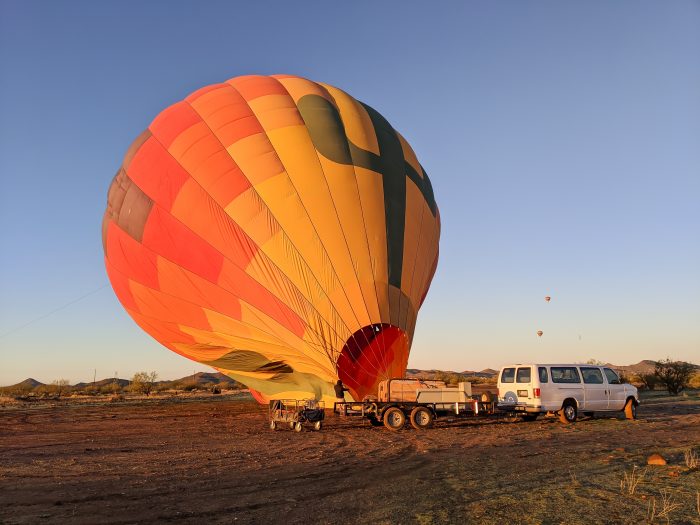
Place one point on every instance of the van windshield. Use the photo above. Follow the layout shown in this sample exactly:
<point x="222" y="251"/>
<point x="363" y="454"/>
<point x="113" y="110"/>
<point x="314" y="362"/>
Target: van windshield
<point x="565" y="374"/>
<point x="508" y="375"/>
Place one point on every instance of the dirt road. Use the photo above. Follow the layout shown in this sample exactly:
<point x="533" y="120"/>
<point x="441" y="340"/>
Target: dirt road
<point x="215" y="460"/>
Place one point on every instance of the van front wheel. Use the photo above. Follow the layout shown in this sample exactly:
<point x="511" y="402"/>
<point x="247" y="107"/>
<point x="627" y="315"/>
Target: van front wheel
<point x="631" y="409"/>
<point x="568" y="412"/>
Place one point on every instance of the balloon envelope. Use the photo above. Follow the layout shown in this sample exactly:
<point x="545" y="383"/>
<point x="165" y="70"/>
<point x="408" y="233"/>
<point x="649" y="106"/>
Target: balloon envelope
<point x="539" y="333"/>
<point x="547" y="298"/>
<point x="277" y="230"/>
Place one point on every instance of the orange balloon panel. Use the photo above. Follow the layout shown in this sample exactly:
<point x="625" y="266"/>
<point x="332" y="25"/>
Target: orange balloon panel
<point x="277" y="230"/>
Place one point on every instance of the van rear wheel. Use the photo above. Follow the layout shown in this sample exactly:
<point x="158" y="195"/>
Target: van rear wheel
<point x="568" y="413"/>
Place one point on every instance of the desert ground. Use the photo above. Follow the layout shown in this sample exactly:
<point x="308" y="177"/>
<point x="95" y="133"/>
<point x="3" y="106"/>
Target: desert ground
<point x="213" y="459"/>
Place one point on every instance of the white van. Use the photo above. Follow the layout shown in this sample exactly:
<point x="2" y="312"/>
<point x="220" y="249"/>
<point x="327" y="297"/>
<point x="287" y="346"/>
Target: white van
<point x="533" y="389"/>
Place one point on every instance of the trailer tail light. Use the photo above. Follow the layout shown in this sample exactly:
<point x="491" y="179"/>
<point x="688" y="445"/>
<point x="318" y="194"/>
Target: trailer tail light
<point x="536" y="392"/>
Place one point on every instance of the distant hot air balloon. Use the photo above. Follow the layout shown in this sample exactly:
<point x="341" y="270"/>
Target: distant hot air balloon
<point x="277" y="230"/>
<point x="547" y="298"/>
<point x="539" y="333"/>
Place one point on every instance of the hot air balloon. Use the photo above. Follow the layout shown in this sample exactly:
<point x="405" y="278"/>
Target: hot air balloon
<point x="539" y="333"/>
<point x="547" y="298"/>
<point x="278" y="230"/>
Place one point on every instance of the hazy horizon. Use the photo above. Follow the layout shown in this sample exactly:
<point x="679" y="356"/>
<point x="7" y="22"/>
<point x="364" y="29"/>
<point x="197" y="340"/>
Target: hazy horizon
<point x="561" y="140"/>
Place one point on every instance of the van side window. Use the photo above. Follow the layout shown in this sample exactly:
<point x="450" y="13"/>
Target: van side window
<point x="613" y="379"/>
<point x="508" y="375"/>
<point x="543" y="375"/>
<point x="523" y="375"/>
<point x="592" y="375"/>
<point x="565" y="374"/>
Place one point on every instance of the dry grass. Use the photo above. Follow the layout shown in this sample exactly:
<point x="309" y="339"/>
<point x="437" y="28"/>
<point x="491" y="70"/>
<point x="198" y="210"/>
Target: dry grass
<point x="692" y="461"/>
<point x="6" y="401"/>
<point x="629" y="481"/>
<point x="668" y="505"/>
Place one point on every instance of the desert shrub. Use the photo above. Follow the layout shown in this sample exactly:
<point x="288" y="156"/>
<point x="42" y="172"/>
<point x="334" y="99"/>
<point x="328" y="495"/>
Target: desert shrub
<point x="110" y="389"/>
<point x="43" y="391"/>
<point x="674" y="375"/>
<point x="91" y="390"/>
<point x="694" y="381"/>
<point x="625" y="377"/>
<point x="648" y="380"/>
<point x="187" y="386"/>
<point x="143" y="382"/>
<point x="17" y="391"/>
<point x="60" y="386"/>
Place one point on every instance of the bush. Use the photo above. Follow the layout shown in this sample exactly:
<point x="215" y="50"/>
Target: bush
<point x="649" y="381"/>
<point x="624" y="377"/>
<point x="110" y="389"/>
<point x="674" y="375"/>
<point x="189" y="387"/>
<point x="142" y="382"/>
<point x="90" y="390"/>
<point x="60" y="386"/>
<point x="694" y="381"/>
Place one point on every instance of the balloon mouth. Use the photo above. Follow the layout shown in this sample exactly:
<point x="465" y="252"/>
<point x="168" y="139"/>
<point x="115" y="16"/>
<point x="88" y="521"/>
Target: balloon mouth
<point x="373" y="353"/>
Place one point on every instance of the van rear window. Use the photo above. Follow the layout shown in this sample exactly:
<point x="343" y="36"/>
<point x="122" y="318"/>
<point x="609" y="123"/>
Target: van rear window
<point x="543" y="375"/>
<point x="565" y="374"/>
<point x="523" y="375"/>
<point x="508" y="375"/>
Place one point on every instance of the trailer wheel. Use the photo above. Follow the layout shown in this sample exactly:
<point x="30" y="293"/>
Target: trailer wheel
<point x="631" y="409"/>
<point x="317" y="425"/>
<point x="291" y="425"/>
<point x="394" y="419"/>
<point x="568" y="412"/>
<point x="421" y="418"/>
<point x="297" y="426"/>
<point x="273" y="425"/>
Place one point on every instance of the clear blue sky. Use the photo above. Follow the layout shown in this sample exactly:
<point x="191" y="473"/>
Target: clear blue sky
<point x="562" y="139"/>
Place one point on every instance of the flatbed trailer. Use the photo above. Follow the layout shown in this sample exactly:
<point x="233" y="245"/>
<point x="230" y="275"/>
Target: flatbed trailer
<point x="393" y="411"/>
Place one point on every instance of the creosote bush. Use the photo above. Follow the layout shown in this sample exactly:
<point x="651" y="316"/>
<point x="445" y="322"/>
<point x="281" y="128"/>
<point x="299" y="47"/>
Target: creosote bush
<point x="142" y="382"/>
<point x="674" y="375"/>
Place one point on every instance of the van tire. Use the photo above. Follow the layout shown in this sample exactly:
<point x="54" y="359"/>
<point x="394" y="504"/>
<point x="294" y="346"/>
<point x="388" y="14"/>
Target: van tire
<point x="568" y="412"/>
<point x="630" y="408"/>
<point x="529" y="417"/>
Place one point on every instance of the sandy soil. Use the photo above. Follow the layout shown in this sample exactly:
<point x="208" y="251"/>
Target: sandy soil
<point x="215" y="460"/>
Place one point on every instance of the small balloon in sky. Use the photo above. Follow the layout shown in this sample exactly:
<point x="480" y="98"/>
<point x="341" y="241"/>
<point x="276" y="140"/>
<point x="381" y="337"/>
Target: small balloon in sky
<point x="539" y="333"/>
<point x="547" y="298"/>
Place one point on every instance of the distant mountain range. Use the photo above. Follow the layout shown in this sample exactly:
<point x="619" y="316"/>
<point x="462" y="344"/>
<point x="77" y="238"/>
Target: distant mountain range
<point x="201" y="378"/>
